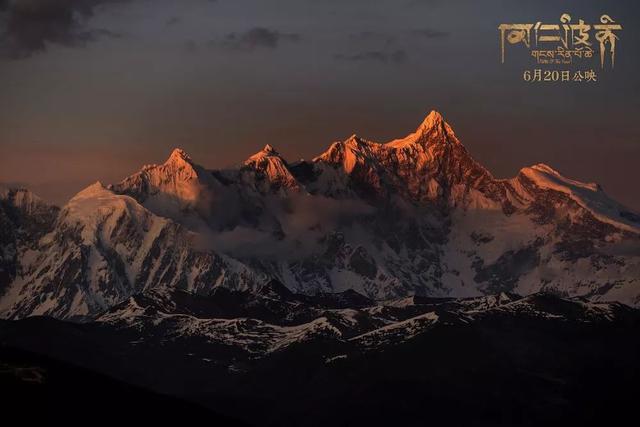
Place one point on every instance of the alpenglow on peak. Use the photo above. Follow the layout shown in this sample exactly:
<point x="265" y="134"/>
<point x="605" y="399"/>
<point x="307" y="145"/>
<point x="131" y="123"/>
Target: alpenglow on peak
<point x="178" y="155"/>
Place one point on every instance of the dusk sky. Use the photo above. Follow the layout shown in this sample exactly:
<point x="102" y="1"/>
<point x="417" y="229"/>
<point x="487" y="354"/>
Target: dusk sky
<point x="94" y="89"/>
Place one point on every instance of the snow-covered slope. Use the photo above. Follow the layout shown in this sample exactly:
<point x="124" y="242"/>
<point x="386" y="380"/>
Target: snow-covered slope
<point x="414" y="216"/>
<point x="266" y="171"/>
<point x="256" y="325"/>
<point x="24" y="218"/>
<point x="105" y="247"/>
<point x="588" y="195"/>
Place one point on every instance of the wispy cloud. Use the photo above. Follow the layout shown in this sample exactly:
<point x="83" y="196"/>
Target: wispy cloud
<point x="385" y="47"/>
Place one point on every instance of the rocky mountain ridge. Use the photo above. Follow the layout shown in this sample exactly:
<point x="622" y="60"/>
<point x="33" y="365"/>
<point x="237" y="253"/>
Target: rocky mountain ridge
<point x="414" y="216"/>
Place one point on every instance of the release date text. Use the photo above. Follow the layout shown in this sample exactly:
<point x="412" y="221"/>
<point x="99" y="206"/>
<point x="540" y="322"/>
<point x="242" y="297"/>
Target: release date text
<point x="540" y="75"/>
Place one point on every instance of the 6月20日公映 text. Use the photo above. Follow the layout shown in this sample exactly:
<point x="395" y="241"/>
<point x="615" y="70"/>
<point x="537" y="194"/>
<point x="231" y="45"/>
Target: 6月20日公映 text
<point x="564" y="76"/>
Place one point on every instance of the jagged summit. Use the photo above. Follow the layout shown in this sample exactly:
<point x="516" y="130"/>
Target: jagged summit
<point x="23" y="199"/>
<point x="433" y="119"/>
<point x="352" y="153"/>
<point x="267" y="151"/>
<point x="433" y="130"/>
<point x="89" y="191"/>
<point x="18" y="193"/>
<point x="176" y="182"/>
<point x="178" y="155"/>
<point x="271" y="171"/>
<point x="356" y="141"/>
<point x="417" y="216"/>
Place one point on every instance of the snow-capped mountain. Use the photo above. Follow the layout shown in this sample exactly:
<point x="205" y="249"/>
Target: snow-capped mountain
<point x="24" y="219"/>
<point x="413" y="216"/>
<point x="256" y="325"/>
<point x="105" y="246"/>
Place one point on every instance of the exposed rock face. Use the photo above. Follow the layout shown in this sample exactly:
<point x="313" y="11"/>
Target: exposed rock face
<point x="24" y="219"/>
<point x="414" y="216"/>
<point x="267" y="172"/>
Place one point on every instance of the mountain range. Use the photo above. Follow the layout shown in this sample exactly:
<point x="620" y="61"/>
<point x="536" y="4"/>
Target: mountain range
<point x="413" y="216"/>
<point x="271" y="357"/>
<point x="376" y="284"/>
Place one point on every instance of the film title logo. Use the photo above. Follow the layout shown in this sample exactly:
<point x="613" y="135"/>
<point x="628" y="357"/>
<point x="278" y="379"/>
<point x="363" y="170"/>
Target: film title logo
<point x="565" y="44"/>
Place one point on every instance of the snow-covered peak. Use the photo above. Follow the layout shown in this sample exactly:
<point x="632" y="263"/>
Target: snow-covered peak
<point x="332" y="153"/>
<point x="432" y="131"/>
<point x="433" y="120"/>
<point x="175" y="184"/>
<point x="178" y="155"/>
<point x="354" y="142"/>
<point x="267" y="151"/>
<point x="588" y="195"/>
<point x="353" y="151"/>
<point x="95" y="189"/>
<point x="23" y="199"/>
<point x="98" y="209"/>
<point x="544" y="175"/>
<point x="270" y="169"/>
<point x="423" y="165"/>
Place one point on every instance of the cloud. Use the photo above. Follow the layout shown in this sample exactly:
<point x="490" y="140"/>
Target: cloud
<point x="385" y="57"/>
<point x="294" y="226"/>
<point x="258" y="38"/>
<point x="384" y="47"/>
<point x="28" y="26"/>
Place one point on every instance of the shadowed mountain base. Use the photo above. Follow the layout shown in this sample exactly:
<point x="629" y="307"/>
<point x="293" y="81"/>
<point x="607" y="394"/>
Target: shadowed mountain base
<point x="510" y="361"/>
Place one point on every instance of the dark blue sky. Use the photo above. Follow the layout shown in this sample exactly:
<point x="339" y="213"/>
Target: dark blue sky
<point x="92" y="89"/>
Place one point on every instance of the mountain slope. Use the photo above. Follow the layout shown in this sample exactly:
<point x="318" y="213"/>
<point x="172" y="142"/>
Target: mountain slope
<point x="413" y="216"/>
<point x="24" y="219"/>
<point x="105" y="247"/>
<point x="506" y="359"/>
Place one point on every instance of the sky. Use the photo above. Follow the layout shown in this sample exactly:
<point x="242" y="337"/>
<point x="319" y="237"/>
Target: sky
<point x="94" y="89"/>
